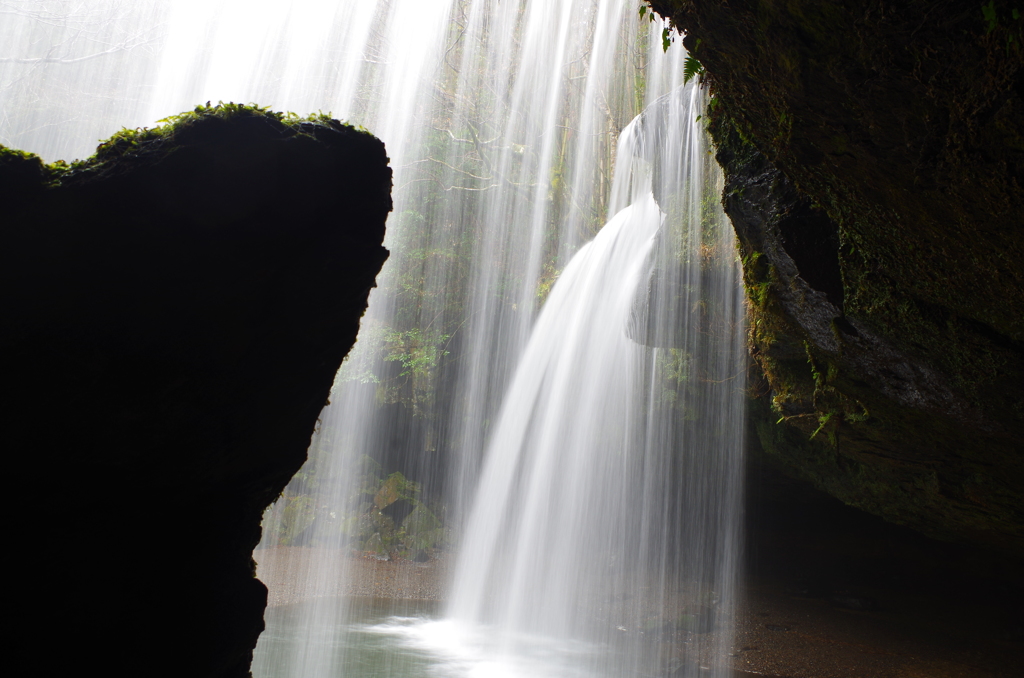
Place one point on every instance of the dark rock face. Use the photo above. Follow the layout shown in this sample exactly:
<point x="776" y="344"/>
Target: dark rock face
<point x="875" y="162"/>
<point x="174" y="312"/>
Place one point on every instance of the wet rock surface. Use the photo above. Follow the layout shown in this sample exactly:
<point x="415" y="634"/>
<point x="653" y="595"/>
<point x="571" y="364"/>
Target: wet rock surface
<point x="873" y="161"/>
<point x="175" y="310"/>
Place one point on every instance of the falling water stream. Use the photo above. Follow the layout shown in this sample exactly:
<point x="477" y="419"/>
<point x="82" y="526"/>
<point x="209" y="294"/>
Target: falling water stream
<point x="549" y="378"/>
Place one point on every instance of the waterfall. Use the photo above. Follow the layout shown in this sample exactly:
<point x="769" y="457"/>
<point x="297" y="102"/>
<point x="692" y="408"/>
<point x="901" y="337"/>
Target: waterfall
<point x="556" y="400"/>
<point x="606" y="508"/>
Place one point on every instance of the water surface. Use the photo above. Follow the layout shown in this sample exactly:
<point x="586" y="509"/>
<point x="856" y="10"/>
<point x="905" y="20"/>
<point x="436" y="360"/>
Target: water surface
<point x="385" y="638"/>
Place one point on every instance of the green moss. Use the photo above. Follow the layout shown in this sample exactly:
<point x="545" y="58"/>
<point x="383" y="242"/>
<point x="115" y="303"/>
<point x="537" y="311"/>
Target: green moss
<point x="139" y="141"/>
<point x="821" y="423"/>
<point x="955" y="344"/>
<point x="19" y="167"/>
<point x="906" y="491"/>
<point x="10" y="157"/>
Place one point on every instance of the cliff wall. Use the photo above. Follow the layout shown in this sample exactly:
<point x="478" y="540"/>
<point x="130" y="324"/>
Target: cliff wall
<point x="874" y="161"/>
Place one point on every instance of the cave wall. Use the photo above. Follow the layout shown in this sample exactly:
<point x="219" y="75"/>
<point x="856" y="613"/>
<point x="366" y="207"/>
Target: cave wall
<point x="874" y="159"/>
<point x="174" y="311"/>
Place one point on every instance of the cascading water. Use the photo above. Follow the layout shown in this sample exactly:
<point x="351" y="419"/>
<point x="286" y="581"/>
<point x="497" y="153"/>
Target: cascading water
<point x="614" y="526"/>
<point x="606" y="509"/>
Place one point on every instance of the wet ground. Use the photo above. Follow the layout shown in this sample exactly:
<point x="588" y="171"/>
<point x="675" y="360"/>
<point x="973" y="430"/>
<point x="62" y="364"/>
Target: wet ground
<point x="782" y="628"/>
<point x="784" y="633"/>
<point x="283" y="568"/>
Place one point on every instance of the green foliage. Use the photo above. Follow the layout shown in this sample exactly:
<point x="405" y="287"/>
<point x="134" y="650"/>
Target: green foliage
<point x="305" y="515"/>
<point x="415" y="350"/>
<point x="990" y="16"/>
<point x="667" y="38"/>
<point x="692" y="69"/>
<point x="989" y="12"/>
<point x="396" y="486"/>
<point x="757" y="293"/>
<point x="422" y="530"/>
<point x="823" y="421"/>
<point x="674" y="372"/>
<point x="299" y="514"/>
<point x="416" y="354"/>
<point x="547" y="280"/>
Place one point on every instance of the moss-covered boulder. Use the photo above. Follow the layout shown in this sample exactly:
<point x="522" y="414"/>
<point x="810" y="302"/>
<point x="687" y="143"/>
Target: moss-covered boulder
<point x="874" y="164"/>
<point x="174" y="311"/>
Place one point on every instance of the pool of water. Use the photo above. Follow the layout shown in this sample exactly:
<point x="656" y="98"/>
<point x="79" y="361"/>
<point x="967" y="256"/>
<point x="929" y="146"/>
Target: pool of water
<point x="373" y="638"/>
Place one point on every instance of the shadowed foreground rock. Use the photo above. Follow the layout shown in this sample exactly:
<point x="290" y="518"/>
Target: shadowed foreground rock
<point x="874" y="163"/>
<point x="174" y="312"/>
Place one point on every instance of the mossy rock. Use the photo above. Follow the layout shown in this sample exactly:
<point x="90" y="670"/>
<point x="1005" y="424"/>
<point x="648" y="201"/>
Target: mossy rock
<point x="394" y="488"/>
<point x="874" y="176"/>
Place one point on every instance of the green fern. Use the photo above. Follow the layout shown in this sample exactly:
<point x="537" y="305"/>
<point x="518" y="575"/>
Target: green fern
<point x="692" y="69"/>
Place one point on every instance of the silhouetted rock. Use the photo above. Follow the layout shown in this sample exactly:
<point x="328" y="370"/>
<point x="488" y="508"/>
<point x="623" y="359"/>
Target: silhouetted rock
<point x="174" y="312"/>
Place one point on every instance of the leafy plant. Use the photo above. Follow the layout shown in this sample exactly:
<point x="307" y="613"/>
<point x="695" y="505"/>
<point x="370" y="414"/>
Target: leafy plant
<point x="666" y="33"/>
<point x="991" y="18"/>
<point x="417" y="352"/>
<point x="692" y="68"/>
<point x="989" y="12"/>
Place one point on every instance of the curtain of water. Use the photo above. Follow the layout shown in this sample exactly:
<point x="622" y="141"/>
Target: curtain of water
<point x="605" y="513"/>
<point x="501" y="120"/>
